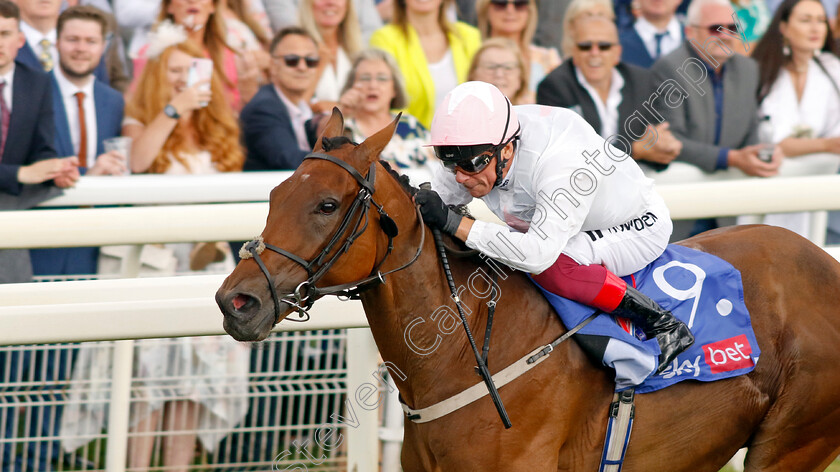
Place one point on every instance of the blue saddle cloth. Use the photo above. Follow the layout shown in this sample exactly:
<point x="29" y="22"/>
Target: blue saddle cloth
<point x="700" y="289"/>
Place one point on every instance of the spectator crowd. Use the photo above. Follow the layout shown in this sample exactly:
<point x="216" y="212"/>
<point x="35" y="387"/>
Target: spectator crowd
<point x="113" y="87"/>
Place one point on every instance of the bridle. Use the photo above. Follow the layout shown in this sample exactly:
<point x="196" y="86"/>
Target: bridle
<point x="306" y="293"/>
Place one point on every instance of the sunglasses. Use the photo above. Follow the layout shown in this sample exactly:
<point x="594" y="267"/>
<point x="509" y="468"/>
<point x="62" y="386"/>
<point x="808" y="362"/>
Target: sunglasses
<point x="519" y="5"/>
<point x="292" y="60"/>
<point x="469" y="159"/>
<point x="718" y="28"/>
<point x="600" y="45"/>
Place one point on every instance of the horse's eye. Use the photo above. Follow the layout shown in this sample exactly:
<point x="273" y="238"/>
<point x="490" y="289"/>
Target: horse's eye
<point x="327" y="208"/>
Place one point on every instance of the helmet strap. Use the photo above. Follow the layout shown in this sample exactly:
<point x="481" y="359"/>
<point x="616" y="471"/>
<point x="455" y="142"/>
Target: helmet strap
<point x="502" y="163"/>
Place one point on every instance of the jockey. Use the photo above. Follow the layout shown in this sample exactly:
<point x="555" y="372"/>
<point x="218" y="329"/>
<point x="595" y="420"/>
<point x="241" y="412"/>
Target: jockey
<point x="566" y="196"/>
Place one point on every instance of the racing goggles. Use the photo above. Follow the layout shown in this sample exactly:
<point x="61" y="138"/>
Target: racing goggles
<point x="469" y="159"/>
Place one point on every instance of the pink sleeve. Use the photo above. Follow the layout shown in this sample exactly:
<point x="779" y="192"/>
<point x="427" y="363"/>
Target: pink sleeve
<point x="139" y="64"/>
<point x="229" y="66"/>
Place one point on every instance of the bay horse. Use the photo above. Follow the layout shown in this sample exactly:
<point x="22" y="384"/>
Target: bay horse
<point x="787" y="410"/>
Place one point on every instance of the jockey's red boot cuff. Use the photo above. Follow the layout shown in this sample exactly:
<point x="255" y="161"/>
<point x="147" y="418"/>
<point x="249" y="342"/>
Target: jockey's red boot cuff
<point x="611" y="293"/>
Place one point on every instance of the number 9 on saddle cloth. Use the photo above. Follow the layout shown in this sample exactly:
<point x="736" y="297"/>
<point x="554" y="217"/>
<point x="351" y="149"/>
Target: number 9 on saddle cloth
<point x="700" y="289"/>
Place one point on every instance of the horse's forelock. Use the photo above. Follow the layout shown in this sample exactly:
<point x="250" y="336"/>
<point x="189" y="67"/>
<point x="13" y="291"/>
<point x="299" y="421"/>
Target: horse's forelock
<point x="335" y="142"/>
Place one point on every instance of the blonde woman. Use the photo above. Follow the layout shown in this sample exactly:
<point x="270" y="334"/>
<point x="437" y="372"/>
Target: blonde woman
<point x="433" y="53"/>
<point x="188" y="386"/>
<point x="517" y="21"/>
<point x="335" y="27"/>
<point x="499" y="62"/>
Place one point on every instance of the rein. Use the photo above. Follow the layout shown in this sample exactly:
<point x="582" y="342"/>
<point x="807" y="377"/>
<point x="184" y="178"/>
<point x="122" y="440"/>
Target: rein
<point x="306" y="293"/>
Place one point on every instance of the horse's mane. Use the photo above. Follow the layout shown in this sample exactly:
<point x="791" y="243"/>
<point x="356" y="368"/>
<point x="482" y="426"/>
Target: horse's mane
<point x="335" y="142"/>
<point x="403" y="180"/>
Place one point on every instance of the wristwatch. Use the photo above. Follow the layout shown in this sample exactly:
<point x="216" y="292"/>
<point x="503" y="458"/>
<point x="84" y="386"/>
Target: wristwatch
<point x="171" y="112"/>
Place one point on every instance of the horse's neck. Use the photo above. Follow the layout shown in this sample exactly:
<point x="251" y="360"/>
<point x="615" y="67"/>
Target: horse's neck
<point x="417" y="328"/>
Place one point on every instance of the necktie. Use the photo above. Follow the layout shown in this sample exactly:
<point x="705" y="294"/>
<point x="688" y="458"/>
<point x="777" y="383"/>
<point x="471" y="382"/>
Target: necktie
<point x="45" y="58"/>
<point x="80" y="98"/>
<point x="5" y="117"/>
<point x="658" y="38"/>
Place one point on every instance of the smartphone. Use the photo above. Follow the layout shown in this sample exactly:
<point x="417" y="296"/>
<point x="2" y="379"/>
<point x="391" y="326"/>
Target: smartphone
<point x="200" y="69"/>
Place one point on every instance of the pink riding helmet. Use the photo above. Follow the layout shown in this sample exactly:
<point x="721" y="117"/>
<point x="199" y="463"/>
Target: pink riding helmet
<point x="474" y="113"/>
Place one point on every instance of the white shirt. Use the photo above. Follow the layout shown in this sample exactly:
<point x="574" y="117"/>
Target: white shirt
<point x="550" y="154"/>
<point x="71" y="108"/>
<point x="668" y="43"/>
<point x="333" y="78"/>
<point x="444" y="76"/>
<point x="9" y="77"/>
<point x="607" y="112"/>
<point x="34" y="37"/>
<point x="298" y="113"/>
<point x="819" y="108"/>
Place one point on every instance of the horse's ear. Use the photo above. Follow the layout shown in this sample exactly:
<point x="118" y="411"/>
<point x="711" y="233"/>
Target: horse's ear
<point x="373" y="146"/>
<point x="334" y="126"/>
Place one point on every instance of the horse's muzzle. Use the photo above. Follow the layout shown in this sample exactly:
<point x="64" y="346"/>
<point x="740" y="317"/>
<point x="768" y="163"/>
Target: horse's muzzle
<point x="245" y="317"/>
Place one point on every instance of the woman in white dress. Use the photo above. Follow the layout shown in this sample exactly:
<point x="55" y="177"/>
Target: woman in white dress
<point x="192" y="384"/>
<point x="335" y="26"/>
<point x="799" y="88"/>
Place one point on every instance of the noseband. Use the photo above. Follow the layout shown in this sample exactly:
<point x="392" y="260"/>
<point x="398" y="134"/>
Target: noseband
<point x="306" y="293"/>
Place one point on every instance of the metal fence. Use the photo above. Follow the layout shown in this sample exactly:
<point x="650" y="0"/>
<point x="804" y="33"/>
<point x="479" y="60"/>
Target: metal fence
<point x="54" y="404"/>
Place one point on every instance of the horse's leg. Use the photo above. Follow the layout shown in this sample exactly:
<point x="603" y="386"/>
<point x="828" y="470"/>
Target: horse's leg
<point x="795" y="437"/>
<point x="415" y="456"/>
<point x="815" y="456"/>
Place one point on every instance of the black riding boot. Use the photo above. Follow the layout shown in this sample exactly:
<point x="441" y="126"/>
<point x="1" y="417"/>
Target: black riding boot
<point x="672" y="334"/>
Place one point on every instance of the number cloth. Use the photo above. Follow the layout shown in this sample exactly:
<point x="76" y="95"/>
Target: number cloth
<point x="700" y="289"/>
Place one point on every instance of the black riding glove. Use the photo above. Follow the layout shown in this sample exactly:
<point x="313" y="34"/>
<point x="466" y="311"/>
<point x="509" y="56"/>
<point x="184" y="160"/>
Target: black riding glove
<point x="435" y="213"/>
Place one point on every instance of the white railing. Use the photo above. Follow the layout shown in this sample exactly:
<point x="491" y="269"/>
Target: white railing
<point x="149" y="308"/>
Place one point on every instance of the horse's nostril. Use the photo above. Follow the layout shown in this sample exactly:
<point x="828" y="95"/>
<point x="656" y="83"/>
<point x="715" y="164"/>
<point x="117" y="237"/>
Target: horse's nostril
<point x="241" y="300"/>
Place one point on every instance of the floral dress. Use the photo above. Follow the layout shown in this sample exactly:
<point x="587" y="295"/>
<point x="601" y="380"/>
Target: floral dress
<point x="408" y="149"/>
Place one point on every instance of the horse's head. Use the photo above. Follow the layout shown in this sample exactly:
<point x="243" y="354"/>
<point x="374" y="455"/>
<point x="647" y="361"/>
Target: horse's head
<point x="325" y="228"/>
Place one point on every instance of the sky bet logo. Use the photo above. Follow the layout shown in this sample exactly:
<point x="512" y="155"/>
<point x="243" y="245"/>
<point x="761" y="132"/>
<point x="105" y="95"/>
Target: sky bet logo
<point x="729" y="354"/>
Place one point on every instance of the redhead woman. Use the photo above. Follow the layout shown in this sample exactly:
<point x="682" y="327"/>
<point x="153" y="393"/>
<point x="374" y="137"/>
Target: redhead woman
<point x="189" y="385"/>
<point x="203" y="21"/>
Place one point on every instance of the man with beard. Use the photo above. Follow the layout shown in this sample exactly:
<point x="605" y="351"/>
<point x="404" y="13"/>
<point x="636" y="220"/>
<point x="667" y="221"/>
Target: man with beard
<point x="86" y="113"/>
<point x="609" y="94"/>
<point x="38" y="24"/>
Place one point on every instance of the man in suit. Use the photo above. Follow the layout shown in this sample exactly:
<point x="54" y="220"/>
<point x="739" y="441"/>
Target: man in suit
<point x="27" y="155"/>
<point x="711" y="95"/>
<point x="609" y="94"/>
<point x="38" y="23"/>
<point x="654" y="34"/>
<point x="27" y="159"/>
<point x="84" y="109"/>
<point x="276" y="124"/>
